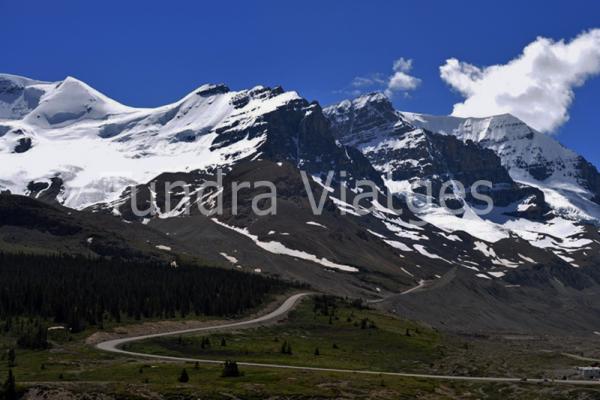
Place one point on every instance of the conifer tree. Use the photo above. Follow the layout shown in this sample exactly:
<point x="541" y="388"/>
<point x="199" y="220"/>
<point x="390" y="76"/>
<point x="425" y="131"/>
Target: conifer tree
<point x="184" y="377"/>
<point x="10" y="390"/>
<point x="230" y="370"/>
<point x="286" y="348"/>
<point x="12" y="356"/>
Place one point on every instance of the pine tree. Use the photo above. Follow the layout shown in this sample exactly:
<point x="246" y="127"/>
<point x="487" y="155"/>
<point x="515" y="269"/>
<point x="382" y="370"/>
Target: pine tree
<point x="230" y="370"/>
<point x="10" y="390"/>
<point x="11" y="358"/>
<point x="205" y="343"/>
<point x="286" y="348"/>
<point x="79" y="291"/>
<point x="184" y="377"/>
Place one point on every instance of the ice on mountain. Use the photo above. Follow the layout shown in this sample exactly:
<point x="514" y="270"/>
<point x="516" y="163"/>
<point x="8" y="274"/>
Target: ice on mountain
<point x="279" y="248"/>
<point x="398" y="245"/>
<point x="229" y="258"/>
<point x="531" y="158"/>
<point x="105" y="146"/>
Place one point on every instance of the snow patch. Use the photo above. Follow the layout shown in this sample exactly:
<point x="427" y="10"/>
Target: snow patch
<point x="229" y="258"/>
<point x="421" y="249"/>
<point x="279" y="248"/>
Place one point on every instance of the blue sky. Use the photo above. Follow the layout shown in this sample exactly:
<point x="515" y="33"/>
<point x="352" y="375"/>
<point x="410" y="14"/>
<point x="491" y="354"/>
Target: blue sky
<point x="150" y="53"/>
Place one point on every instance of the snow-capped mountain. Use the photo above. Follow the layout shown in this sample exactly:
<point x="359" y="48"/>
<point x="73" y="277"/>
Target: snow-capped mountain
<point x="571" y="184"/>
<point x="66" y="144"/>
<point x="406" y="154"/>
<point x="75" y="146"/>
<point x="542" y="191"/>
<point x="19" y="95"/>
<point x="98" y="147"/>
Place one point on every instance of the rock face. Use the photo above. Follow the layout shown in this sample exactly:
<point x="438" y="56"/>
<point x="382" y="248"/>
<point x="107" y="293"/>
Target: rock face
<point x="588" y="177"/>
<point x="366" y="118"/>
<point x="419" y="155"/>
<point x="532" y="158"/>
<point x="409" y="156"/>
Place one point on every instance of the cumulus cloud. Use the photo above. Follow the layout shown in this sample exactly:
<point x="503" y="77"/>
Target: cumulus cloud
<point x="399" y="81"/>
<point x="536" y="87"/>
<point x="402" y="81"/>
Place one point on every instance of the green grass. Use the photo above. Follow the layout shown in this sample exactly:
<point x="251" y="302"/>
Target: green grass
<point x="71" y="365"/>
<point x="342" y="342"/>
<point x="128" y="379"/>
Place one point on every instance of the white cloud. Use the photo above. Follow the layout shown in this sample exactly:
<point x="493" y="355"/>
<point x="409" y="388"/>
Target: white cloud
<point x="536" y="87"/>
<point x="403" y="65"/>
<point x="368" y="81"/>
<point x="399" y="81"/>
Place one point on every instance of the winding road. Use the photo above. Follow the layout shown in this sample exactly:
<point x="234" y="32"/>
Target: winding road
<point x="115" y="346"/>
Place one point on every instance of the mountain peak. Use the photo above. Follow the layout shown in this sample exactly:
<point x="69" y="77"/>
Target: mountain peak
<point x="17" y="80"/>
<point x="19" y="95"/>
<point x="366" y="116"/>
<point x="72" y="79"/>
<point x="72" y="100"/>
<point x="531" y="157"/>
<point x="363" y="101"/>
<point x="376" y="101"/>
<point x="372" y="97"/>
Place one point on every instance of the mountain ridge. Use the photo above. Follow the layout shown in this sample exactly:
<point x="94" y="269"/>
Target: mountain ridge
<point x="407" y="155"/>
<point x="87" y="153"/>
